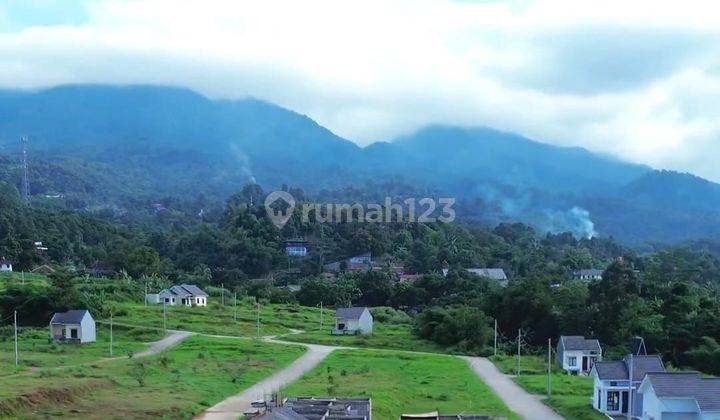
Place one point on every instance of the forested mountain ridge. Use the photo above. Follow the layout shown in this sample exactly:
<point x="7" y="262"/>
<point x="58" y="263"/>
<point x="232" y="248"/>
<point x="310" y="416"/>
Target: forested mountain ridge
<point x="125" y="148"/>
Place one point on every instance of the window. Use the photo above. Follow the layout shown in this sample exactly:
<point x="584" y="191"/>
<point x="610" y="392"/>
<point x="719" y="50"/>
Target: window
<point x="613" y="401"/>
<point x="167" y="300"/>
<point x="572" y="361"/>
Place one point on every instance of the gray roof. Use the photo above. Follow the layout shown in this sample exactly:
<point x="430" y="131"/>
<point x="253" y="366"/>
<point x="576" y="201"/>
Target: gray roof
<point x="193" y="290"/>
<point x="588" y="272"/>
<point x="578" y="342"/>
<point x="70" y="317"/>
<point x="706" y="391"/>
<point x="350" y="313"/>
<point x="179" y="291"/>
<point x="493" y="273"/>
<point x="619" y="370"/>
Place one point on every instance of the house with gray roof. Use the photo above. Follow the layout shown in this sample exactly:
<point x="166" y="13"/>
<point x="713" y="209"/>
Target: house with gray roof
<point x="679" y="395"/>
<point x="184" y="294"/>
<point x="576" y="354"/>
<point x="353" y="321"/>
<point x="5" y="265"/>
<point x="616" y="383"/>
<point x="587" y="274"/>
<point x="74" y="326"/>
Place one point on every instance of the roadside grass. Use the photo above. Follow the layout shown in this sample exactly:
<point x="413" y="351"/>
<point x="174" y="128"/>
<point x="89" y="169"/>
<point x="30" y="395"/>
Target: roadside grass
<point x="385" y="336"/>
<point x="176" y="384"/>
<point x="26" y="279"/>
<point x="35" y="351"/>
<point x="401" y="382"/>
<point x="570" y="394"/>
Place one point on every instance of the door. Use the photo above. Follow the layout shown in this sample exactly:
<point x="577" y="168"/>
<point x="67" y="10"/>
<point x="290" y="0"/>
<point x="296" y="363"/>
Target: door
<point x="73" y="333"/>
<point x="624" y="402"/>
<point x="585" y="364"/>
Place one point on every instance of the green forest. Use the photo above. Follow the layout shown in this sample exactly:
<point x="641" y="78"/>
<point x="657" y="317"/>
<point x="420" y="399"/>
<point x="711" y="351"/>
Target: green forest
<point x="669" y="296"/>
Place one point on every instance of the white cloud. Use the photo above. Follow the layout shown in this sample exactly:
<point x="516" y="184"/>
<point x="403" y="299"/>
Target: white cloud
<point x="639" y="79"/>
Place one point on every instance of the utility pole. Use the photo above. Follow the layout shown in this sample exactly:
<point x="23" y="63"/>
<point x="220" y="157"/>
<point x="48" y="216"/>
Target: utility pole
<point x="258" y="318"/>
<point x="146" y="294"/>
<point x="164" y="316"/>
<point x="495" y="340"/>
<point x="321" y="315"/>
<point x="23" y="277"/>
<point x="222" y="293"/>
<point x="235" y="304"/>
<point x="16" y="338"/>
<point x="549" y="381"/>
<point x="630" y="389"/>
<point x="518" y="353"/>
<point x="26" y="176"/>
<point x="111" y="334"/>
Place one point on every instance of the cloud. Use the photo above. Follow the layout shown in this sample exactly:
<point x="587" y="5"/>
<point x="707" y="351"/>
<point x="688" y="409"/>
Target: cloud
<point x="639" y="80"/>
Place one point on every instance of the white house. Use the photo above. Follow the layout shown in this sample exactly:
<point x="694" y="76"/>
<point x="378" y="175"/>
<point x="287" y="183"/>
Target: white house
<point x="351" y="321"/>
<point x="297" y="247"/>
<point x="75" y="326"/>
<point x="587" y="274"/>
<point x="5" y="265"/>
<point x="576" y="354"/>
<point x="184" y="294"/>
<point x="679" y="395"/>
<point x="612" y="386"/>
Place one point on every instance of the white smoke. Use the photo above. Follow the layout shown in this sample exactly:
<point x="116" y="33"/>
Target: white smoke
<point x="576" y="220"/>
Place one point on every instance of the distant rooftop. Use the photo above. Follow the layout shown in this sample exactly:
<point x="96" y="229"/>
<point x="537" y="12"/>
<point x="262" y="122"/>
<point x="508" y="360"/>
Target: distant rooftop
<point x="706" y="391"/>
<point x="578" y="342"/>
<point x="350" y="313"/>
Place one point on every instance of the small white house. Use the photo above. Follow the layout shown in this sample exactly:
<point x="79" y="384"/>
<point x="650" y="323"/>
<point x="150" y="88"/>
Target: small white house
<point x="679" y="395"/>
<point x="75" y="326"/>
<point x="587" y="274"/>
<point x="576" y="354"/>
<point x="5" y="266"/>
<point x="613" y="387"/>
<point x="184" y="294"/>
<point x="352" y="321"/>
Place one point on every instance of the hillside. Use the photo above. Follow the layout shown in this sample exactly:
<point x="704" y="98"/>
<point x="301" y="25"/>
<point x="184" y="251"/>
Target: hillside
<point x="122" y="149"/>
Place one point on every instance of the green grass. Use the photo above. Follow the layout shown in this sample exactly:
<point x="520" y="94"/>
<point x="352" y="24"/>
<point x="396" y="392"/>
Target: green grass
<point x="570" y="394"/>
<point x="385" y="336"/>
<point x="400" y="383"/>
<point x="177" y="384"/>
<point x="36" y="352"/>
<point x="219" y="320"/>
<point x="26" y="279"/>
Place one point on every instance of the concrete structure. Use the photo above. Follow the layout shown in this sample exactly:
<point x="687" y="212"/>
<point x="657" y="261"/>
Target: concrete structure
<point x="184" y="294"/>
<point x="587" y="274"/>
<point x="5" y="265"/>
<point x="576" y="354"/>
<point x="297" y="247"/>
<point x="311" y="408"/>
<point x="75" y="326"/>
<point x="679" y="395"/>
<point x="497" y="274"/>
<point x="613" y="387"/>
<point x="352" y="321"/>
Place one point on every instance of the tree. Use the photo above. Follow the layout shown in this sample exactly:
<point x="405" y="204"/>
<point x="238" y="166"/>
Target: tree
<point x="63" y="293"/>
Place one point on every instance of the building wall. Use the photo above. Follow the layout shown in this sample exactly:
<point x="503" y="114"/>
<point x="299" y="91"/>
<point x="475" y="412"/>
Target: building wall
<point x="6" y="267"/>
<point x="365" y="324"/>
<point x="87" y="329"/>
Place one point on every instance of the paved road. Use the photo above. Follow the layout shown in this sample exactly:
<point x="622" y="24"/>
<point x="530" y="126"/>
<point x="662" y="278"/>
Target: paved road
<point x="526" y="405"/>
<point x="172" y="339"/>
<point x="235" y="406"/>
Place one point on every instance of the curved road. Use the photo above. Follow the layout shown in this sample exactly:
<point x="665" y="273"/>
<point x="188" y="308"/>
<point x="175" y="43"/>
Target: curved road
<point x="526" y="405"/>
<point x="172" y="339"/>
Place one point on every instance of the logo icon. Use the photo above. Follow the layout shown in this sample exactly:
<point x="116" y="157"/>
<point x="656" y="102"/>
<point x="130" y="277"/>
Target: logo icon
<point x="279" y="206"/>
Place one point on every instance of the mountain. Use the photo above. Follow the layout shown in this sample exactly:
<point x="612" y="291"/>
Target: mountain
<point x="124" y="148"/>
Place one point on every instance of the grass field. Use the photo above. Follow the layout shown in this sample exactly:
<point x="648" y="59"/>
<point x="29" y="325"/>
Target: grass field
<point x="36" y="352"/>
<point x="184" y="381"/>
<point x="400" y="383"/>
<point x="385" y="336"/>
<point x="570" y="394"/>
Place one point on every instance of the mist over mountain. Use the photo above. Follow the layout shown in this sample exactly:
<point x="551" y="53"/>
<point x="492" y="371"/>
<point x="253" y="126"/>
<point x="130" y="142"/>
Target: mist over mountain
<point x="125" y="147"/>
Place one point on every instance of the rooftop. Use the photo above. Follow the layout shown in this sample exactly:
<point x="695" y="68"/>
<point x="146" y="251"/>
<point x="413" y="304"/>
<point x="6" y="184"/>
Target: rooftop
<point x="350" y="313"/>
<point x="578" y="342"/>
<point x="70" y="317"/>
<point x="619" y="369"/>
<point x="706" y="391"/>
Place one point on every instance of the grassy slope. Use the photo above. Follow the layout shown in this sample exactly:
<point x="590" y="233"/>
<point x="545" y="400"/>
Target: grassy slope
<point x="36" y="352"/>
<point x="199" y="373"/>
<point x="570" y="394"/>
<point x="401" y="383"/>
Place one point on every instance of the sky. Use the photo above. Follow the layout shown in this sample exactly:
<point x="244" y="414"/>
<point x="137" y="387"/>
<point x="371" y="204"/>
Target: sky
<point x="639" y="79"/>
